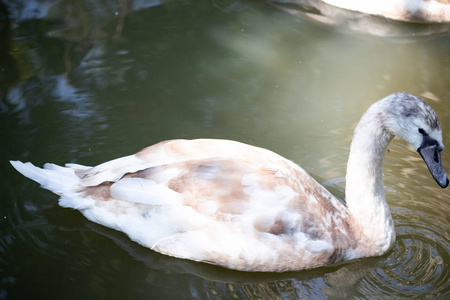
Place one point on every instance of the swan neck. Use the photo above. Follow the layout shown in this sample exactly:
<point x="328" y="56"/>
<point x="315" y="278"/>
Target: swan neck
<point x="369" y="213"/>
<point x="365" y="163"/>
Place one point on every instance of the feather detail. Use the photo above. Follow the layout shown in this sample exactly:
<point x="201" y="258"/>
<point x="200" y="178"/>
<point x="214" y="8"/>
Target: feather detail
<point x="144" y="191"/>
<point x="58" y="179"/>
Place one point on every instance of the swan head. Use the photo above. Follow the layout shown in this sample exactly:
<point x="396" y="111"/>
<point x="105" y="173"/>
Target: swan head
<point x="411" y="119"/>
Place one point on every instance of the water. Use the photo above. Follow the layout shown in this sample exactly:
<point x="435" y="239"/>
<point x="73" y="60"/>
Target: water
<point x="86" y="82"/>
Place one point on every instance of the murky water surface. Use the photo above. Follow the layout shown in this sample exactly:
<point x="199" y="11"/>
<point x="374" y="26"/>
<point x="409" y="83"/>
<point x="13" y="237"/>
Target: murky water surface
<point x="89" y="81"/>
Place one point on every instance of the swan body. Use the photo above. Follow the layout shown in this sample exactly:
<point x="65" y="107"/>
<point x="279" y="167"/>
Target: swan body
<point x="369" y="16"/>
<point x="430" y="11"/>
<point x="247" y="208"/>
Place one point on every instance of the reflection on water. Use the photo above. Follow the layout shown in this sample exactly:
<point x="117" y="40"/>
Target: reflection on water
<point x="88" y="81"/>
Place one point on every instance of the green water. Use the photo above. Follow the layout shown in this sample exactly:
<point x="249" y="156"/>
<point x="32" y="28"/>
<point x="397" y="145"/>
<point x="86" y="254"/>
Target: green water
<point x="85" y="82"/>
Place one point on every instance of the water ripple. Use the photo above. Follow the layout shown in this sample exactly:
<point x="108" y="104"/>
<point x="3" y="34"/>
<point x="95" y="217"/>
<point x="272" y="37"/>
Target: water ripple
<point x="417" y="267"/>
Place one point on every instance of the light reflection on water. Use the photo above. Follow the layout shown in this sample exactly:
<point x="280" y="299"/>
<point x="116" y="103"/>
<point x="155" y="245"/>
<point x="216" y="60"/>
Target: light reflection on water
<point x="97" y="85"/>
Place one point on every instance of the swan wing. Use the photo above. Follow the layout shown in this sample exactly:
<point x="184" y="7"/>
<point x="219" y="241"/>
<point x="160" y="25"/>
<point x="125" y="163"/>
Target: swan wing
<point x="163" y="153"/>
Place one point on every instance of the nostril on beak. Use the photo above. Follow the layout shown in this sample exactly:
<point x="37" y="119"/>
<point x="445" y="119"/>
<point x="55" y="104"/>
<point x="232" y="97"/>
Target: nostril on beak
<point x="436" y="156"/>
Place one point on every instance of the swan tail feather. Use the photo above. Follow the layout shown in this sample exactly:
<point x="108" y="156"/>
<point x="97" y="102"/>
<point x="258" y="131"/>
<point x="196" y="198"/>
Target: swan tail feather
<point x="60" y="180"/>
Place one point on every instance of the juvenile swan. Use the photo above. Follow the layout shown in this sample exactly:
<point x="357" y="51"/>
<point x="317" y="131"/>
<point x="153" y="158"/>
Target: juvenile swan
<point x="247" y="208"/>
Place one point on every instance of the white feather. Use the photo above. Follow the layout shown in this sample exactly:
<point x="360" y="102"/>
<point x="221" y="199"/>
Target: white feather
<point x="55" y="178"/>
<point x="144" y="191"/>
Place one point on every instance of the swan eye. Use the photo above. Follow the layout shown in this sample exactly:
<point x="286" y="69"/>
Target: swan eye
<point x="421" y="131"/>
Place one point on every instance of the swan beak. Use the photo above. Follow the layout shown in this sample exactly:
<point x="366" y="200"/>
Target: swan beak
<point x="432" y="157"/>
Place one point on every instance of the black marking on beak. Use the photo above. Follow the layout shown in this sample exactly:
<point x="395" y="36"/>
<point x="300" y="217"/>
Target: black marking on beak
<point x="431" y="154"/>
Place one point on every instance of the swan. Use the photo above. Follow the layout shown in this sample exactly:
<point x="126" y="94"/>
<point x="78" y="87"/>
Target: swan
<point x="426" y="11"/>
<point x="246" y="208"/>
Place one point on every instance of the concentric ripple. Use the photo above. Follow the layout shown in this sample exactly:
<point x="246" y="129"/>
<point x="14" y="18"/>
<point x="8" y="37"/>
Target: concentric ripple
<point x="417" y="267"/>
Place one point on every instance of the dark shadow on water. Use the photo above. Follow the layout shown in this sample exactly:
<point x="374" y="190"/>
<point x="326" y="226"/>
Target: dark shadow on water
<point x="338" y="279"/>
